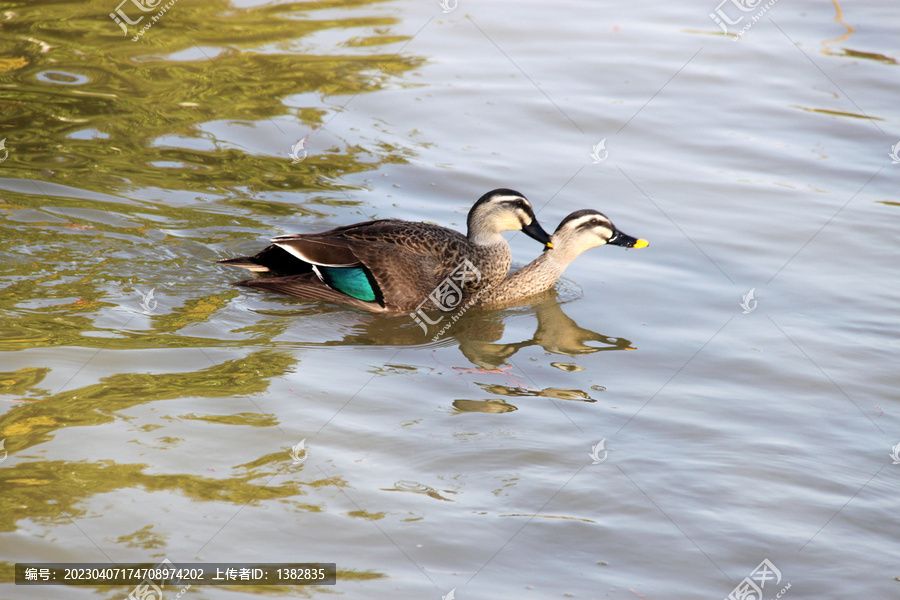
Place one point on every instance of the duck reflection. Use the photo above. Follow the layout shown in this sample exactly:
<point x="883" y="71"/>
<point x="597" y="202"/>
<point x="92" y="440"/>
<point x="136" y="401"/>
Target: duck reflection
<point x="556" y="333"/>
<point x="478" y="331"/>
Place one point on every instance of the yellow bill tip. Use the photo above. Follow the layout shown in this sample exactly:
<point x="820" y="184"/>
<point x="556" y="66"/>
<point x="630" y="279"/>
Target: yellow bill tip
<point x="641" y="243"/>
<point x="549" y="244"/>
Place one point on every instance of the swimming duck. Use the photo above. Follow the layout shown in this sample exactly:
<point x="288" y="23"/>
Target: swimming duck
<point x="580" y="231"/>
<point x="395" y="266"/>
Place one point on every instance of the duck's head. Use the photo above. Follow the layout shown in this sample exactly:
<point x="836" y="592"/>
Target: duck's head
<point x="503" y="210"/>
<point x="586" y="229"/>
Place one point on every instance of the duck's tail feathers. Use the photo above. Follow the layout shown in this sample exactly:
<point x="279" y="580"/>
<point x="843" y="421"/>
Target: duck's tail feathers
<point x="272" y="260"/>
<point x="245" y="262"/>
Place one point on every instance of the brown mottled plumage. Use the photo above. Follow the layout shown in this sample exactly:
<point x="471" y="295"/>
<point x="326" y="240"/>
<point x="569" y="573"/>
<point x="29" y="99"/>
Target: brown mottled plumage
<point x="580" y="231"/>
<point x="401" y="262"/>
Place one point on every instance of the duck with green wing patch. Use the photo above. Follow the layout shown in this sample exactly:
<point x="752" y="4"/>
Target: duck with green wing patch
<point x="389" y="265"/>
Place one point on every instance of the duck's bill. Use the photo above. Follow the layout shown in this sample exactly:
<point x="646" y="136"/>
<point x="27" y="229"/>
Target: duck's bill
<point x="620" y="239"/>
<point x="535" y="231"/>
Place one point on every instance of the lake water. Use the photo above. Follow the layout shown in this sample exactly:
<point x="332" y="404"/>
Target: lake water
<point x="735" y="427"/>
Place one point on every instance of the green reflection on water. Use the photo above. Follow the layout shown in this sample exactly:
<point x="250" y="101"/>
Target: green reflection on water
<point x="230" y="65"/>
<point x="47" y="491"/>
<point x="23" y="381"/>
<point x="144" y="538"/>
<point x="249" y="419"/>
<point x="33" y="423"/>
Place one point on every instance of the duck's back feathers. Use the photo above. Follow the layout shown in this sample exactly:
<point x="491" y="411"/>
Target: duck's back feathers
<point x="316" y="249"/>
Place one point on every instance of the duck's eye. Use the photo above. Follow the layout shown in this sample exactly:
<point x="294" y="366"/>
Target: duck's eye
<point x="520" y="204"/>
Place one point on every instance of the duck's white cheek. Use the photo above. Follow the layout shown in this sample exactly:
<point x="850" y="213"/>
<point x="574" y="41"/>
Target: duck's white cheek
<point x="515" y="221"/>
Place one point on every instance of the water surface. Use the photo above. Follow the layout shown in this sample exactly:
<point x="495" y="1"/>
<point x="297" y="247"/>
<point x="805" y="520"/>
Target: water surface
<point x="141" y="428"/>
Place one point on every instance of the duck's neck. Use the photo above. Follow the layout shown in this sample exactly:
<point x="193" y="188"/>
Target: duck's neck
<point x="484" y="236"/>
<point x="537" y="276"/>
<point x="493" y="261"/>
<point x="544" y="270"/>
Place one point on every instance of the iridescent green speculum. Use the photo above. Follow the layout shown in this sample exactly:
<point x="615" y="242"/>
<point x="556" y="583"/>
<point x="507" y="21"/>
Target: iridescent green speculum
<point x="353" y="281"/>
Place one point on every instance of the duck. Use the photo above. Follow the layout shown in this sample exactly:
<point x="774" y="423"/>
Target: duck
<point x="394" y="266"/>
<point x="577" y="233"/>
